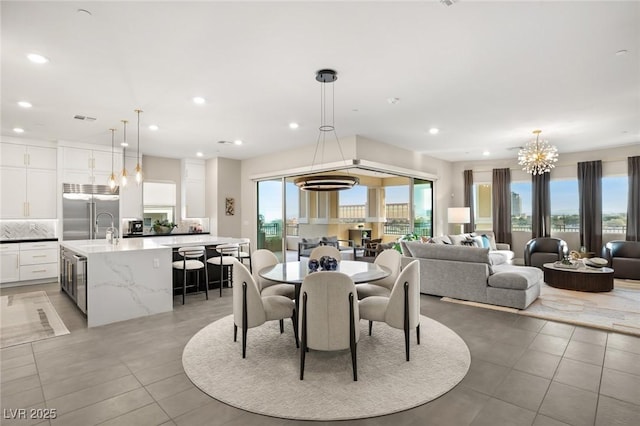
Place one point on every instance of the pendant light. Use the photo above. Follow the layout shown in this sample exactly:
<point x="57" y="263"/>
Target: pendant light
<point x="112" y="178"/>
<point x="138" y="166"/>
<point x="123" y="174"/>
<point x="538" y="156"/>
<point x="329" y="182"/>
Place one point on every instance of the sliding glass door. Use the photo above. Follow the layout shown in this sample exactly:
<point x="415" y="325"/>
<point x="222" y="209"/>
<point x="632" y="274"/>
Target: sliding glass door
<point x="270" y="216"/>
<point x="423" y="207"/>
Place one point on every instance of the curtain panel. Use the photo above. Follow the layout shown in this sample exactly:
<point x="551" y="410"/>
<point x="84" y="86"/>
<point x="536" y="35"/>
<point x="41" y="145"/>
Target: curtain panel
<point x="501" y="197"/>
<point x="590" y="193"/>
<point x="468" y="200"/>
<point x="633" y="200"/>
<point x="541" y="205"/>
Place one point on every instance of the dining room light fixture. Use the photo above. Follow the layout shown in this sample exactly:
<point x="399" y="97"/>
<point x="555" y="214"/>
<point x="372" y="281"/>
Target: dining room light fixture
<point x="124" y="177"/>
<point x="138" y="166"/>
<point x="112" y="178"/>
<point x="538" y="156"/>
<point x="326" y="182"/>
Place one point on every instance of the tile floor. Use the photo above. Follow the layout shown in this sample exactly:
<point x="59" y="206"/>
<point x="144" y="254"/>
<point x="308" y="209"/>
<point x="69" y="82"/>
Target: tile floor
<point x="524" y="371"/>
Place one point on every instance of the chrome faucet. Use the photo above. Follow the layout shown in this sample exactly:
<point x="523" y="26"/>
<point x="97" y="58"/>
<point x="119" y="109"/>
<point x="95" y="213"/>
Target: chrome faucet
<point x="112" y="231"/>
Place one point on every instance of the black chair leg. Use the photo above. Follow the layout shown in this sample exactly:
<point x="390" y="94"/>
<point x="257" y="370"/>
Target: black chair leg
<point x="418" y="333"/>
<point x="406" y="318"/>
<point x="294" y="320"/>
<point x="184" y="285"/>
<point x="206" y="279"/>
<point x="352" y="338"/>
<point x="303" y="350"/>
<point x="281" y="326"/>
<point x="235" y="333"/>
<point x="370" y="327"/>
<point x="244" y="319"/>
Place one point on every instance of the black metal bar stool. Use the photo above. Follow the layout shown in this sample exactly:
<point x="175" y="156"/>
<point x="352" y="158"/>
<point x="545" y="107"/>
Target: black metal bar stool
<point x="226" y="253"/>
<point x="244" y="252"/>
<point x="191" y="263"/>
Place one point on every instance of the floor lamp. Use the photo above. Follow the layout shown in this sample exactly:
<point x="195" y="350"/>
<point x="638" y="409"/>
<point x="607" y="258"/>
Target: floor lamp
<point x="459" y="216"/>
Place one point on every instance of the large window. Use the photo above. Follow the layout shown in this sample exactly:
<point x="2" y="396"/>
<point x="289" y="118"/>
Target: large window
<point x="521" y="206"/>
<point x="352" y="204"/>
<point x="292" y="207"/>
<point x="423" y="207"/>
<point x="565" y="215"/>
<point x="483" y="206"/>
<point x="614" y="204"/>
<point x="397" y="210"/>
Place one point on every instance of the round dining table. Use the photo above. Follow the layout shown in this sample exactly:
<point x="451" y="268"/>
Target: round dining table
<point x="295" y="271"/>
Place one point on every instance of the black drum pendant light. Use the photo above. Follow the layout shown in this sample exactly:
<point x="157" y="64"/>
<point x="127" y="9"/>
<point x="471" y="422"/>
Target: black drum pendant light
<point x="328" y="182"/>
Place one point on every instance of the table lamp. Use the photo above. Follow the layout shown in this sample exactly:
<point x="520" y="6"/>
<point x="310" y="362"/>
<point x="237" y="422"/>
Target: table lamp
<point x="459" y="216"/>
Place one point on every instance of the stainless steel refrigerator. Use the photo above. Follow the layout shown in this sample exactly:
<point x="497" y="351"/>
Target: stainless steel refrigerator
<point x="82" y="205"/>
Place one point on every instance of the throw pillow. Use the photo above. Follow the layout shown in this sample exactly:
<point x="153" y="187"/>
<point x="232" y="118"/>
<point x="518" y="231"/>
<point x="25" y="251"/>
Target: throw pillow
<point x="492" y="240"/>
<point x="478" y="242"/>
<point x="485" y="241"/>
<point x="457" y="239"/>
<point x="311" y="242"/>
<point x="468" y="242"/>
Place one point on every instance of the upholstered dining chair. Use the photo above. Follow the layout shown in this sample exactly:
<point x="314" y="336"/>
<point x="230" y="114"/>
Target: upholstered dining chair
<point x="320" y="251"/>
<point x="194" y="259"/>
<point x="539" y="251"/>
<point x="402" y="308"/>
<point x="328" y="317"/>
<point x="390" y="259"/>
<point x="252" y="310"/>
<point x="263" y="258"/>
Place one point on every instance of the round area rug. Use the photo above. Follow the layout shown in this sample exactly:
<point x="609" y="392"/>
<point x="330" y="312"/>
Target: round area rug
<point x="267" y="380"/>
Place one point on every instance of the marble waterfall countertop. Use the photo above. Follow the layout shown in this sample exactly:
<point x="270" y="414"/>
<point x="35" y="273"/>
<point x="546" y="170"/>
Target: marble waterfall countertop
<point x="86" y="247"/>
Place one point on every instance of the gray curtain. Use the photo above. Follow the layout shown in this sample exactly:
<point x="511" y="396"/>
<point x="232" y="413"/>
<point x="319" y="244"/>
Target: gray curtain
<point x="541" y="205"/>
<point x="468" y="200"/>
<point x="590" y="192"/>
<point x="501" y="197"/>
<point x="633" y="201"/>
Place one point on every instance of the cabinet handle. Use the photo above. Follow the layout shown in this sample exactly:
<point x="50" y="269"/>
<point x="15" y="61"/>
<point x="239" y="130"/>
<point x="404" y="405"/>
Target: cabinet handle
<point x="40" y="255"/>
<point x="25" y="159"/>
<point x="39" y="271"/>
<point x="28" y="159"/>
<point x="93" y="163"/>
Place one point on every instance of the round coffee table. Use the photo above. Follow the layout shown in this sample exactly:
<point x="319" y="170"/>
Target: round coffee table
<point x="584" y="278"/>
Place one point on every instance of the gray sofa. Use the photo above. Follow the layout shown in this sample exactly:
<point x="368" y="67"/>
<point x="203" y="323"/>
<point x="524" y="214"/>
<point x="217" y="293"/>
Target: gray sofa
<point x="470" y="273"/>
<point x="477" y="239"/>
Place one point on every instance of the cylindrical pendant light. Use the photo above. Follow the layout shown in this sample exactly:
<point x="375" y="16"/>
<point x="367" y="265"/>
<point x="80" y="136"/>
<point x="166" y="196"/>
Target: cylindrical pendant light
<point x="112" y="178"/>
<point x="124" y="174"/>
<point x="138" y="166"/>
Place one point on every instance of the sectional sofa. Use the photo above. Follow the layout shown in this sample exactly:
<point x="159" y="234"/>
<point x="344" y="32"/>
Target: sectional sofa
<point x="472" y="273"/>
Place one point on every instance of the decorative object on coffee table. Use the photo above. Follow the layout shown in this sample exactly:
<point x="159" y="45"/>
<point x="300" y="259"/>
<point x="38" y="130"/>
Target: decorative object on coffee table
<point x="163" y="227"/>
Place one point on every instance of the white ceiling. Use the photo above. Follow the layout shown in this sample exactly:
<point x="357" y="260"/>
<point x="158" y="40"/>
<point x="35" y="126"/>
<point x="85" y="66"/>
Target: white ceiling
<point x="485" y="73"/>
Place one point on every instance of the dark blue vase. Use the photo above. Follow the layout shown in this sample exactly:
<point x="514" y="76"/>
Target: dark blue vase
<point x="313" y="265"/>
<point x="331" y="264"/>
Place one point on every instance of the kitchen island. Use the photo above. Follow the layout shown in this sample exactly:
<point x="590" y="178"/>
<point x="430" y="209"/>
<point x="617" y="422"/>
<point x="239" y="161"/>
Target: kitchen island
<point x="133" y="278"/>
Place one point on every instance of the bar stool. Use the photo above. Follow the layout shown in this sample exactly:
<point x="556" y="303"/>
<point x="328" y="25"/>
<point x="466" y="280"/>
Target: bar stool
<point x="226" y="253"/>
<point x="190" y="263"/>
<point x="245" y="252"/>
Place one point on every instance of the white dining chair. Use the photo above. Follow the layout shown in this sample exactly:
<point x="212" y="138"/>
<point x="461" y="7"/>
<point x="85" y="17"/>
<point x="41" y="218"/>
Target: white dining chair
<point x="252" y="310"/>
<point x="401" y="309"/>
<point x="390" y="259"/>
<point x="262" y="259"/>
<point x="330" y="251"/>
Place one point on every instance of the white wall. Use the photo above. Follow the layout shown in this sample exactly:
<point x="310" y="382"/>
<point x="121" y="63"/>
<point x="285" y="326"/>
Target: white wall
<point x="614" y="162"/>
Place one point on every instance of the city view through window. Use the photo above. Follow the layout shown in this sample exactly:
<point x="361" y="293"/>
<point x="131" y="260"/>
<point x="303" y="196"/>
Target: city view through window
<point x="565" y="204"/>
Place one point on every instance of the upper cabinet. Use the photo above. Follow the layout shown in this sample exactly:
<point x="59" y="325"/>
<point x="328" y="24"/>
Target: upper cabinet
<point x="27" y="181"/>
<point x="89" y="166"/>
<point x="193" y="188"/>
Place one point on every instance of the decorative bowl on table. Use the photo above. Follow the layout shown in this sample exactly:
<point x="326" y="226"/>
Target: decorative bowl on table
<point x="162" y="230"/>
<point x="596" y="262"/>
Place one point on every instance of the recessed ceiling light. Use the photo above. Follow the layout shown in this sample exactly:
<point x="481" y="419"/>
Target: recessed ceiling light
<point x="622" y="52"/>
<point x="237" y="142"/>
<point x="198" y="100"/>
<point x="18" y="130"/>
<point x="25" y="104"/>
<point x="434" y="130"/>
<point x="37" y="59"/>
<point x="199" y="154"/>
<point x="293" y="125"/>
<point x="486" y="153"/>
<point x="153" y="127"/>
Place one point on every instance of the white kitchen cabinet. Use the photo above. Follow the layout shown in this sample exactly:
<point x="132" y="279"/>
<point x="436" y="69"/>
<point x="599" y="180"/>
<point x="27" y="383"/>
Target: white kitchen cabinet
<point x="193" y="188"/>
<point x="9" y="263"/>
<point x="28" y="182"/>
<point x="87" y="166"/>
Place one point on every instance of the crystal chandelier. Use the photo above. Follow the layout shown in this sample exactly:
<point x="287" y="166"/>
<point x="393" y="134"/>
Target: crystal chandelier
<point x="538" y="156"/>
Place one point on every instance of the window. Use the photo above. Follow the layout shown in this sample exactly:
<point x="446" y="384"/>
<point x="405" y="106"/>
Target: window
<point x="521" y="206"/>
<point x="423" y="207"/>
<point x="159" y="200"/>
<point x="352" y="204"/>
<point x="397" y="210"/>
<point x="614" y="204"/>
<point x="565" y="206"/>
<point x="292" y="208"/>
<point x="483" y="206"/>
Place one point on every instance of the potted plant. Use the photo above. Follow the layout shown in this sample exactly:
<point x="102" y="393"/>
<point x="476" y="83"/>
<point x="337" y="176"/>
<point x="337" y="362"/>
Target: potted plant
<point x="163" y="227"/>
<point x="408" y="237"/>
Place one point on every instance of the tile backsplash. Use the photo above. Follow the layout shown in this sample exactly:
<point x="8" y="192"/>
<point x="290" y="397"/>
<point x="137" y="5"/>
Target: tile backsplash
<point x="26" y="229"/>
